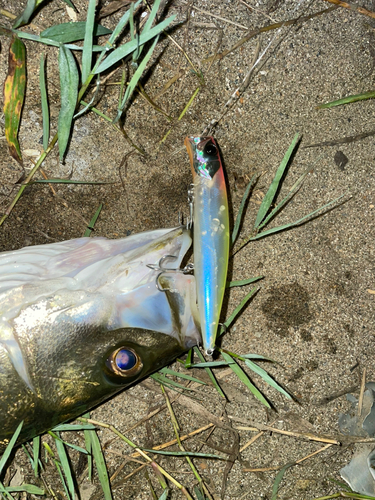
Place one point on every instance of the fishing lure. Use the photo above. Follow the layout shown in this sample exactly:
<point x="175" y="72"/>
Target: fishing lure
<point x="211" y="233"/>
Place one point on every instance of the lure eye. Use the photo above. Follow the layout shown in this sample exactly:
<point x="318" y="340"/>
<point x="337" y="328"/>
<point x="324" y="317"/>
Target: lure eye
<point x="210" y="149"/>
<point x="124" y="362"/>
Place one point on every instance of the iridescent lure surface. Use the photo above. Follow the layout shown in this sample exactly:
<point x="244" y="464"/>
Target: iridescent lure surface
<point x="211" y="233"/>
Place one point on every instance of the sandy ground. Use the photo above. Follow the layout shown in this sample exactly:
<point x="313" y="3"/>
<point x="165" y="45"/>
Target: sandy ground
<point x="314" y="312"/>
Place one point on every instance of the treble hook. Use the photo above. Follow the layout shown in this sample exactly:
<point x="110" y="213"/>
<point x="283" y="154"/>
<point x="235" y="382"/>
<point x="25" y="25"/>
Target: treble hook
<point x="159" y="267"/>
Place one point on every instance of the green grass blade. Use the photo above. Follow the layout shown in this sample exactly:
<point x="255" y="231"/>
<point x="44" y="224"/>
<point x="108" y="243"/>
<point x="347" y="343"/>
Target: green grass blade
<point x="29" y="488"/>
<point x="88" y="41"/>
<point x="65" y="464"/>
<point x="292" y="224"/>
<point x="210" y="364"/>
<point x="36" y="453"/>
<point x="72" y="32"/>
<point x="266" y="377"/>
<point x="210" y="373"/>
<point x="245" y="197"/>
<point x="131" y="21"/>
<point x="128" y="48"/>
<point x="25" y="16"/>
<point x="238" y="309"/>
<point x="14" y="94"/>
<point x="189" y="358"/>
<point x="69" y="81"/>
<point x="164" y="495"/>
<point x="161" y="379"/>
<point x="47" y="41"/>
<point x="135" y="79"/>
<point x="88" y="442"/>
<point x="348" y="100"/>
<point x="90" y="227"/>
<point x="278" y="480"/>
<point x="199" y="494"/>
<point x="256" y="356"/>
<point x="244" y="378"/>
<point x="9" y="448"/>
<point x="169" y="371"/>
<point x="3" y="491"/>
<point x="232" y="284"/>
<point x="272" y="190"/>
<point x="68" y="2"/>
<point x="150" y="20"/>
<point x="280" y="205"/>
<point x="56" y="437"/>
<point x="101" y="466"/>
<point x="73" y="427"/>
<point x="44" y="101"/>
<point x="122" y="23"/>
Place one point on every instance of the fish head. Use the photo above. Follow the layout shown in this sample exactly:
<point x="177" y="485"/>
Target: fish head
<point x="204" y="156"/>
<point x="83" y="319"/>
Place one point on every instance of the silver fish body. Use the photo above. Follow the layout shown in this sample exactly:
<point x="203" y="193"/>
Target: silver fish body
<point x="82" y="319"/>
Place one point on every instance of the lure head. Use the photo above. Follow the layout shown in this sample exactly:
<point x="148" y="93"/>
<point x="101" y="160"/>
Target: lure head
<point x="204" y="156"/>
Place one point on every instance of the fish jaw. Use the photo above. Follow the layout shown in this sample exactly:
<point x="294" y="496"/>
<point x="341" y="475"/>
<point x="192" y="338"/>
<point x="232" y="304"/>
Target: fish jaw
<point x="59" y="326"/>
<point x="211" y="234"/>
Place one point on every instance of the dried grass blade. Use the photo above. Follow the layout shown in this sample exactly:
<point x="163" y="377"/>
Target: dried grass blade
<point x="275" y="184"/>
<point x="183" y="454"/>
<point x="14" y="93"/>
<point x="69" y="81"/>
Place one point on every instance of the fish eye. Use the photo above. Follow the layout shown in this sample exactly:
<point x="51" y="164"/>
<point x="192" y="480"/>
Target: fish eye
<point x="124" y="362"/>
<point x="210" y="149"/>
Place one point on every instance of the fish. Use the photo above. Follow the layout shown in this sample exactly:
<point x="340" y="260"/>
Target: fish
<point x="83" y="319"/>
<point x="210" y="233"/>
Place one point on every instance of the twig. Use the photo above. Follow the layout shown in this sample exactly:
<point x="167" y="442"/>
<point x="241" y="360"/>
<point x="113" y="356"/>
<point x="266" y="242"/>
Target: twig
<point x="216" y="16"/>
<point x="254" y="438"/>
<point x="270" y="27"/>
<point x="303" y="435"/>
<point x="174" y="441"/>
<point x="352" y="6"/>
<point x="258" y="11"/>
<point x="267" y="469"/>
